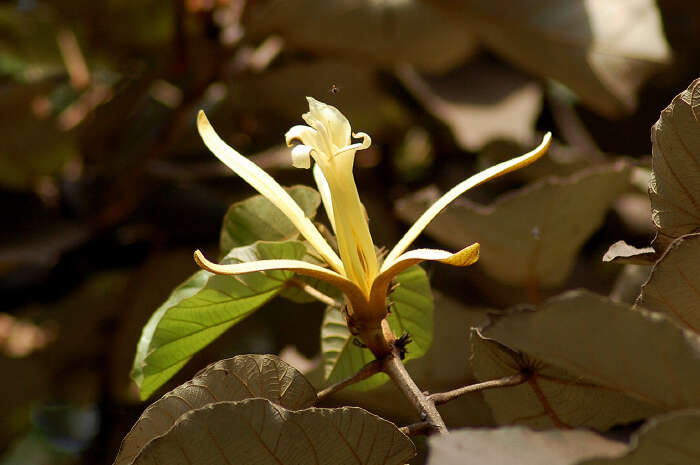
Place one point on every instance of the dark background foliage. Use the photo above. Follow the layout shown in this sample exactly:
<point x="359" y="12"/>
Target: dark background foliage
<point x="106" y="189"/>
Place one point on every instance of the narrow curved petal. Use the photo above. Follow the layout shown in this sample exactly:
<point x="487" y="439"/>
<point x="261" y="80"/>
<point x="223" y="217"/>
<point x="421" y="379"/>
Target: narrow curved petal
<point x="325" y="192"/>
<point x="465" y="257"/>
<point x="440" y="204"/>
<point x="349" y="288"/>
<point x="268" y="187"/>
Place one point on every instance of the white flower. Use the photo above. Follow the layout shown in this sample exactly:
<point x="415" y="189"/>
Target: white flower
<point x="328" y="141"/>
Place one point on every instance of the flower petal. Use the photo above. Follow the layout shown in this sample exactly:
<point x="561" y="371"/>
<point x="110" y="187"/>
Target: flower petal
<point x="323" y="116"/>
<point x="440" y="204"/>
<point x="301" y="156"/>
<point x="465" y="257"/>
<point x="353" y="293"/>
<point x="325" y="192"/>
<point x="268" y="187"/>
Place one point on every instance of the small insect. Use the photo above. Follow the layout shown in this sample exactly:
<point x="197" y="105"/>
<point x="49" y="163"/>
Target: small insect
<point x="334" y="89"/>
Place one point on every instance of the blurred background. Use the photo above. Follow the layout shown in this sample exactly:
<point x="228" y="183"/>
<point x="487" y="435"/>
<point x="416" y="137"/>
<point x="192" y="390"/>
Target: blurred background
<point x="106" y="188"/>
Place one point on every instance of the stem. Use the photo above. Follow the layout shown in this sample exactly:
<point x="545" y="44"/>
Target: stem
<point x="394" y="367"/>
<point x="422" y="427"/>
<point x="315" y="293"/>
<point x="365" y="372"/>
<point x="443" y="397"/>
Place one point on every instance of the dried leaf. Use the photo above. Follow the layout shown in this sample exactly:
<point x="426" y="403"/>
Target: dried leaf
<point x="608" y="343"/>
<point x="258" y="431"/>
<point x="237" y="378"/>
<point x="621" y="252"/>
<point x="518" y="445"/>
<point x="533" y="235"/>
<point x="674" y="188"/>
<point x="673" y="288"/>
<point x="552" y="397"/>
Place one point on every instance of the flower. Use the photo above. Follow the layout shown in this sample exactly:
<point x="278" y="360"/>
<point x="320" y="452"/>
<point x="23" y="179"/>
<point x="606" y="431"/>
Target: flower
<point x="356" y="271"/>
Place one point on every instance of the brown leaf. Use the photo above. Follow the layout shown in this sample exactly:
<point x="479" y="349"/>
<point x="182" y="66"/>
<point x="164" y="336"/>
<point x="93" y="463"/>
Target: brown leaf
<point x="532" y="235"/>
<point x="237" y="378"/>
<point x="258" y="431"/>
<point x="674" y="188"/>
<point x="673" y="288"/>
<point x="552" y="397"/>
<point x="479" y="102"/>
<point x="601" y="50"/>
<point x="518" y="445"/>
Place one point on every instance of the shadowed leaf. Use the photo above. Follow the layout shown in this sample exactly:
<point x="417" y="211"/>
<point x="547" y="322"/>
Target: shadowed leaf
<point x="518" y="445"/>
<point x="257" y="431"/>
<point x="673" y="288"/>
<point x="674" y="188"/>
<point x="238" y="378"/>
<point x="411" y="313"/>
<point x="202" y="308"/>
<point x="552" y="397"/>
<point x="381" y="32"/>
<point x="610" y="344"/>
<point x="532" y="235"/>
<point x="256" y="219"/>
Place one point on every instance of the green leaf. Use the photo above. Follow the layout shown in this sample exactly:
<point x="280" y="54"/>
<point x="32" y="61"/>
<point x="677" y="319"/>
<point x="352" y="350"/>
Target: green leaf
<point x="411" y="313"/>
<point x="575" y="42"/>
<point x="238" y="378"/>
<point x="257" y="219"/>
<point x="673" y="288"/>
<point x="634" y="352"/>
<point x="260" y="432"/>
<point x="202" y="308"/>
<point x="532" y="235"/>
<point x="552" y="397"/>
<point x="672" y="439"/>
<point x="518" y="445"/>
<point x="674" y="188"/>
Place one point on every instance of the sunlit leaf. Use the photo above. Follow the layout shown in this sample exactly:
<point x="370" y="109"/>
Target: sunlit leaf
<point x="552" y="397"/>
<point x="674" y="285"/>
<point x="641" y="354"/>
<point x="237" y="378"/>
<point x="674" y="188"/>
<point x="256" y="219"/>
<point x="672" y="439"/>
<point x="411" y="313"/>
<point x="258" y="431"/>
<point x="202" y="308"/>
<point x="518" y="445"/>
<point x="602" y="50"/>
<point x="479" y="103"/>
<point x="531" y="236"/>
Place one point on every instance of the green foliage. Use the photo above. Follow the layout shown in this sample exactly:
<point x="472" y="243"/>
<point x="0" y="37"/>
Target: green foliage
<point x="202" y="308"/>
<point x="411" y="314"/>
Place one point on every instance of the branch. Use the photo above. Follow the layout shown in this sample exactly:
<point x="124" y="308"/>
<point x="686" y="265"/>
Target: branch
<point x="365" y="372"/>
<point x="444" y="397"/>
<point x="422" y="427"/>
<point x="393" y="366"/>
<point x="315" y="293"/>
